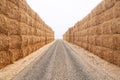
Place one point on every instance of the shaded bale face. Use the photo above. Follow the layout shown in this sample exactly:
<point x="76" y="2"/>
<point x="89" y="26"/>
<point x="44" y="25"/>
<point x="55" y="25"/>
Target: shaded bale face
<point x="4" y="58"/>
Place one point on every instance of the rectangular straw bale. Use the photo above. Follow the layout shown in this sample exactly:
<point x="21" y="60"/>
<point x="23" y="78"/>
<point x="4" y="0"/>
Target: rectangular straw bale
<point x="30" y="40"/>
<point x="107" y="54"/>
<point x="25" y="51"/>
<point x="106" y="27"/>
<point x="23" y="6"/>
<point x="31" y="21"/>
<point x="93" y="21"/>
<point x="97" y="50"/>
<point x="13" y="27"/>
<point x="3" y="26"/>
<point x="16" y="2"/>
<point x="116" y="58"/>
<point x="32" y="31"/>
<point x="116" y="11"/>
<point x="92" y="39"/>
<point x="109" y="3"/>
<point x="109" y="14"/>
<point x="36" y="17"/>
<point x="4" y="58"/>
<point x="107" y="41"/>
<point x="12" y="11"/>
<point x="9" y="26"/>
<point x="99" y="29"/>
<point x="116" y="39"/>
<point x="85" y="39"/>
<point x="3" y="42"/>
<point x="84" y="45"/>
<point x="2" y="6"/>
<point x="115" y="27"/>
<point x="92" y="30"/>
<point x="84" y="32"/>
<point x="99" y="9"/>
<point x="36" y="39"/>
<point x="23" y="16"/>
<point x="93" y="13"/>
<point x="15" y="54"/>
<point x="38" y="25"/>
<point x="31" y="12"/>
<point x="91" y="48"/>
<point x="15" y="41"/>
<point x="24" y="29"/>
<point x="38" y="45"/>
<point x="24" y="42"/>
<point x="98" y="40"/>
<point x="100" y="18"/>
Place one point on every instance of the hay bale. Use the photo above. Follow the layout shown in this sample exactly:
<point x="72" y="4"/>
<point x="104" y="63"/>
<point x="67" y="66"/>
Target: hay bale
<point x="92" y="30"/>
<point x="115" y="27"/>
<point x="13" y="27"/>
<point x="93" y="21"/>
<point x="12" y="11"/>
<point x="38" y="32"/>
<point x="3" y="42"/>
<point x="36" y="39"/>
<point x="30" y="40"/>
<point x="116" y="9"/>
<point x="15" y="41"/>
<point x="84" y="39"/>
<point x="99" y="9"/>
<point x="92" y="39"/>
<point x="116" y="39"/>
<point x="99" y="29"/>
<point x="84" y="45"/>
<point x="24" y="29"/>
<point x="37" y="17"/>
<point x="31" y="31"/>
<point x="15" y="54"/>
<point x="100" y="18"/>
<point x="3" y="6"/>
<point x="116" y="58"/>
<point x="107" y="54"/>
<point x="24" y="42"/>
<point x="3" y="26"/>
<point x="25" y="51"/>
<point x="9" y="26"/>
<point x="24" y="17"/>
<point x="4" y="59"/>
<point x="16" y="2"/>
<point x="98" y="40"/>
<point x="106" y="27"/>
<point x="109" y="3"/>
<point x="30" y="21"/>
<point x="109" y="14"/>
<point x="107" y="41"/>
<point x="23" y="5"/>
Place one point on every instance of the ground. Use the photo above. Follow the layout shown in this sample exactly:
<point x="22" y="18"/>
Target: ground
<point x="61" y="60"/>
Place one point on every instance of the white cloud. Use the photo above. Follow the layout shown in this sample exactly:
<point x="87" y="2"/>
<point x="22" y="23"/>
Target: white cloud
<point x="62" y="14"/>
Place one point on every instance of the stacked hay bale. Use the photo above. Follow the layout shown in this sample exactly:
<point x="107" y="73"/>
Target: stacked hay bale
<point x="22" y="31"/>
<point x="99" y="31"/>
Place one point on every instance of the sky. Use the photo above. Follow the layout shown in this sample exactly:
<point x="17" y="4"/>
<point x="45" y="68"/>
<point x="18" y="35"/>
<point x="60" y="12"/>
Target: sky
<point x="62" y="14"/>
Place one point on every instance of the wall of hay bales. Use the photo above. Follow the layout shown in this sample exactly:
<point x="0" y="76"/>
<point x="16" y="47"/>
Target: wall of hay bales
<point x="22" y="31"/>
<point x="99" y="31"/>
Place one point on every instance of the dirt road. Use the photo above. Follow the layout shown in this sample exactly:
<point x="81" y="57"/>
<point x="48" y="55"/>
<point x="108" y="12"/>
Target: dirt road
<point x="60" y="62"/>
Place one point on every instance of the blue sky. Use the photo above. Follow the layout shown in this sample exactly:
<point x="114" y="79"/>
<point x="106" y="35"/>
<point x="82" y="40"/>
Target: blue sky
<point x="62" y="14"/>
